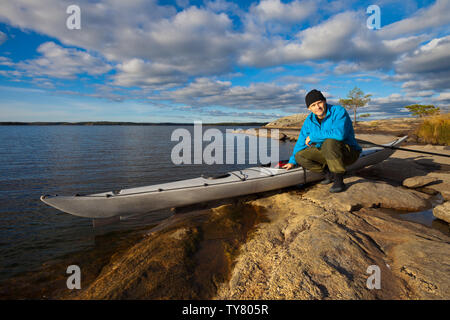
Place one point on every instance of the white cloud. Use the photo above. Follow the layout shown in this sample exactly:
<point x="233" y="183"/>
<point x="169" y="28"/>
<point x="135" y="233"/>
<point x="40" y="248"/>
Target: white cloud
<point x="3" y="37"/>
<point x="5" y="61"/>
<point x="438" y="82"/>
<point x="137" y="72"/>
<point x="436" y="15"/>
<point x="442" y="97"/>
<point x="274" y="10"/>
<point x="202" y="88"/>
<point x="239" y="115"/>
<point x="405" y="44"/>
<point x="224" y="6"/>
<point x="200" y="41"/>
<point x="346" y="67"/>
<point x="431" y="57"/>
<point x="272" y="17"/>
<point x="22" y="89"/>
<point x="331" y="37"/>
<point x="326" y="40"/>
<point x="182" y="3"/>
<point x="64" y="63"/>
<point x="392" y="105"/>
<point x="300" y="79"/>
<point x="207" y="92"/>
<point x="343" y="38"/>
<point x="394" y="97"/>
<point x="203" y="41"/>
<point x="426" y="68"/>
<point x="156" y="47"/>
<point x="421" y="94"/>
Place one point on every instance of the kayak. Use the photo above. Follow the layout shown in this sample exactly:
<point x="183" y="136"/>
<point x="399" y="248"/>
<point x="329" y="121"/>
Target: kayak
<point x="142" y="200"/>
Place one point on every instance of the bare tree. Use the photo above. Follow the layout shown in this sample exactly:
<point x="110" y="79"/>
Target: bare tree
<point x="356" y="99"/>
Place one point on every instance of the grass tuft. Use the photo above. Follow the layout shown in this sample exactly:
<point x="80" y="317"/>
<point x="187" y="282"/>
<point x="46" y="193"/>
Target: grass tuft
<point x="435" y="130"/>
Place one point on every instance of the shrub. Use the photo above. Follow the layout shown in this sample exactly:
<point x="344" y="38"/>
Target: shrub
<point x="435" y="130"/>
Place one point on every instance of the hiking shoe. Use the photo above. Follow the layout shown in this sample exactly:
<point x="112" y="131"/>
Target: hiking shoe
<point x="328" y="177"/>
<point x="338" y="185"/>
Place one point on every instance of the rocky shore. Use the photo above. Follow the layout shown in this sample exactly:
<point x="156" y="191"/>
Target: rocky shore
<point x="289" y="128"/>
<point x="397" y="126"/>
<point x="298" y="243"/>
<point x="295" y="243"/>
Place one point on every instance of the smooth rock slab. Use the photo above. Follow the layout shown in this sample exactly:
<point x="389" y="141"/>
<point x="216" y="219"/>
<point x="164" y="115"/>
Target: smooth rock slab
<point x="403" y="165"/>
<point x="444" y="186"/>
<point x="416" y="182"/>
<point x="442" y="211"/>
<point x="309" y="252"/>
<point x="363" y="193"/>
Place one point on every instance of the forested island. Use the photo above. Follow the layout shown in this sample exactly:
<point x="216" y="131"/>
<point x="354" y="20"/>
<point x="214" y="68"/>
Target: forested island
<point x="113" y="123"/>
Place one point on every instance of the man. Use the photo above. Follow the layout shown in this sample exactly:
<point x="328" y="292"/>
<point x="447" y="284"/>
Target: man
<point x="326" y="142"/>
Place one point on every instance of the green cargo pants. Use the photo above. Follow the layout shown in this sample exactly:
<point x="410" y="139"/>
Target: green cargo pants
<point x="333" y="153"/>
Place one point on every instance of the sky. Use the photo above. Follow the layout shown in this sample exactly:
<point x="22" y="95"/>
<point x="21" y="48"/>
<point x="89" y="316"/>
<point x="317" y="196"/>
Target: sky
<point x="217" y="61"/>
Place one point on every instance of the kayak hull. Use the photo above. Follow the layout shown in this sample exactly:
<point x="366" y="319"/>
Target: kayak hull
<point x="109" y="205"/>
<point x="143" y="200"/>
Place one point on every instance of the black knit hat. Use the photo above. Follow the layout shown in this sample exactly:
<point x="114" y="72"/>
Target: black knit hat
<point x="313" y="96"/>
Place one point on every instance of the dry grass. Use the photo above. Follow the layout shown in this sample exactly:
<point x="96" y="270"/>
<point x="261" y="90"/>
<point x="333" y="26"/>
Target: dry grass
<point x="435" y="129"/>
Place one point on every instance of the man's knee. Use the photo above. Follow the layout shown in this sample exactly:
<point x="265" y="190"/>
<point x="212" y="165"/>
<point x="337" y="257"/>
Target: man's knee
<point x="304" y="158"/>
<point x="332" y="148"/>
<point x="310" y="159"/>
<point x="299" y="158"/>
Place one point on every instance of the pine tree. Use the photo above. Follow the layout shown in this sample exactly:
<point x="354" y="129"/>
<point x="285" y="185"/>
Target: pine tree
<point x="356" y="99"/>
<point x="423" y="110"/>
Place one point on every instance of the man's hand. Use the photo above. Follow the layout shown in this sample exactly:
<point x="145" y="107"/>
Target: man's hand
<point x="288" y="166"/>
<point x="307" y="141"/>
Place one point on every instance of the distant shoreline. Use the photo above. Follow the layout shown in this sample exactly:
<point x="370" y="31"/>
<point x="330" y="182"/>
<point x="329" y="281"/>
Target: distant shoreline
<point x="111" y="123"/>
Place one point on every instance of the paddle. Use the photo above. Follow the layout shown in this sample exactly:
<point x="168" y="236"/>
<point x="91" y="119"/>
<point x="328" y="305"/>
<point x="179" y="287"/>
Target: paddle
<point x="403" y="149"/>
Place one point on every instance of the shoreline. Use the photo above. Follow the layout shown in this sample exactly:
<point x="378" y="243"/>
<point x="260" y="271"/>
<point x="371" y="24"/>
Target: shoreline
<point x="113" y="123"/>
<point x="202" y="243"/>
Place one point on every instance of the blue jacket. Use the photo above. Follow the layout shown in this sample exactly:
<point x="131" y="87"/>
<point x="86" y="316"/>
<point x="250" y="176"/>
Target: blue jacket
<point x="336" y="125"/>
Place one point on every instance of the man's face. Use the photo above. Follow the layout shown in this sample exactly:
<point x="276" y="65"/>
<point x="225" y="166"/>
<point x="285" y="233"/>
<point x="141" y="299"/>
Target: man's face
<point x="318" y="108"/>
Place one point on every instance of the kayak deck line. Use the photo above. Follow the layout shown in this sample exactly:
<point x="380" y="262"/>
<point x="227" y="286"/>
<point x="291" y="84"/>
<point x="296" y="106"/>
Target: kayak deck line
<point x="145" y="199"/>
<point x="284" y="171"/>
<point x="118" y="194"/>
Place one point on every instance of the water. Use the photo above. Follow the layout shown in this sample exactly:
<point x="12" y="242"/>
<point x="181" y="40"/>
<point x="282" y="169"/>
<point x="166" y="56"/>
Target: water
<point x="426" y="218"/>
<point x="37" y="160"/>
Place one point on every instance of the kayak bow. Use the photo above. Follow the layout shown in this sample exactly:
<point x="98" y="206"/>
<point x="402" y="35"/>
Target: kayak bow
<point x="141" y="200"/>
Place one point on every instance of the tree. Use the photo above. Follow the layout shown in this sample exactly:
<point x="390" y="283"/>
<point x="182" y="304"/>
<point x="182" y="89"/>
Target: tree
<point x="356" y="99"/>
<point x="423" y="110"/>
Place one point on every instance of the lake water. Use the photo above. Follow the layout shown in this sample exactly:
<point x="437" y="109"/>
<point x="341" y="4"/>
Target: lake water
<point x="65" y="160"/>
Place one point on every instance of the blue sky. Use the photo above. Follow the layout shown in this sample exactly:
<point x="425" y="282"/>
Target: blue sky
<point x="217" y="61"/>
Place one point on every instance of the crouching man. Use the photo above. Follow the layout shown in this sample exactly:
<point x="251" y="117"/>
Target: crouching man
<point x="326" y="142"/>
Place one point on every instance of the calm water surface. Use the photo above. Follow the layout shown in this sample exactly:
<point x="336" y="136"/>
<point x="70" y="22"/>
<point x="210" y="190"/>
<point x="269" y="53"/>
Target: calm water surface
<point x="37" y="160"/>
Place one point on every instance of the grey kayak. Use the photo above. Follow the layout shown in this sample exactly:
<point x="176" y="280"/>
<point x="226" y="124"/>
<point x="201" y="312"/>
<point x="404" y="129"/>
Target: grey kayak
<point x="141" y="200"/>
